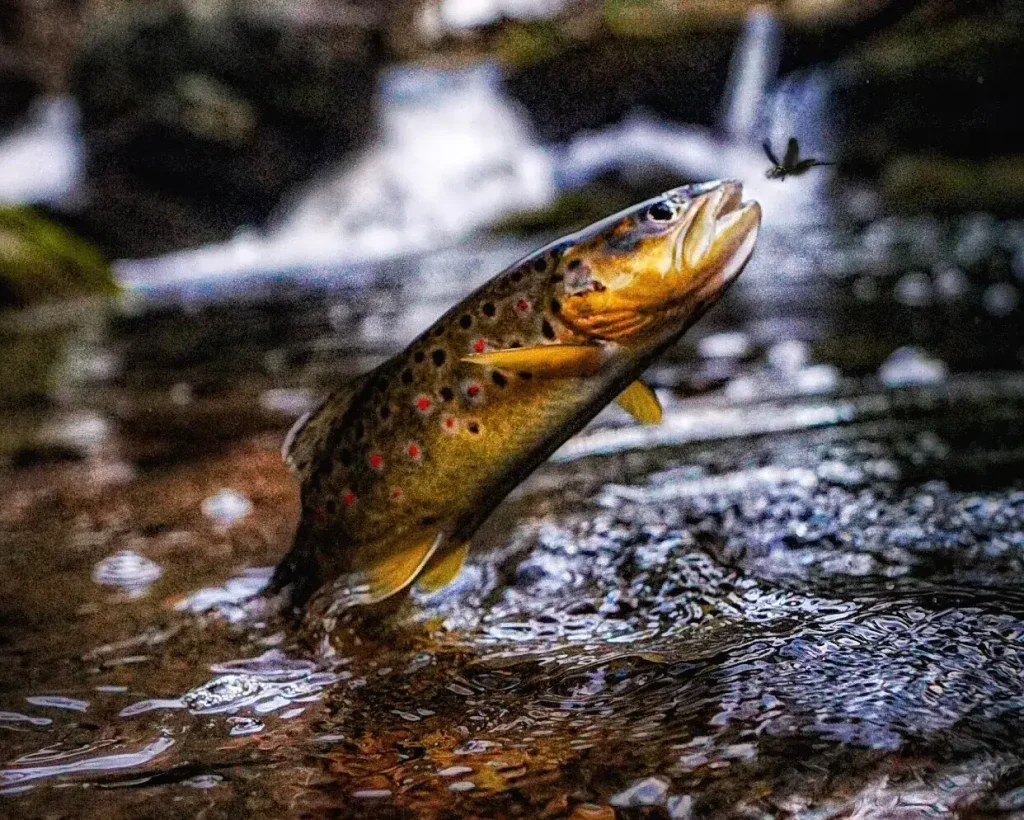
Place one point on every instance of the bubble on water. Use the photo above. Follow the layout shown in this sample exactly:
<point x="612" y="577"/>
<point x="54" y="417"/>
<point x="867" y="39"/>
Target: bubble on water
<point x="651" y="791"/>
<point x="59" y="702"/>
<point x="244" y="726"/>
<point x="1000" y="299"/>
<point x="729" y="345"/>
<point x="226" y="507"/>
<point x="267" y="683"/>
<point x="128" y="570"/>
<point x="914" y="289"/>
<point x="911" y="366"/>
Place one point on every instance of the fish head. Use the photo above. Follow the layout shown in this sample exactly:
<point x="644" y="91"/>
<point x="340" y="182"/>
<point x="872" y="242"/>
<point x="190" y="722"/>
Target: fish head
<point x="637" y="274"/>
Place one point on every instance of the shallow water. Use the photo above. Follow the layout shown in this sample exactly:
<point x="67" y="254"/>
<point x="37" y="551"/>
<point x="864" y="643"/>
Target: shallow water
<point x="799" y="597"/>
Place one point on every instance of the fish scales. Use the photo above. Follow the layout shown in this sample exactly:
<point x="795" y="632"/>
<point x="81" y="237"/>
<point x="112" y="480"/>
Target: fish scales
<point x="401" y="466"/>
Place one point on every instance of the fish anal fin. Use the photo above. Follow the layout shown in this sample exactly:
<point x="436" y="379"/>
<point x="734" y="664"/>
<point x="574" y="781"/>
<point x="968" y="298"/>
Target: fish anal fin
<point x="442" y="568"/>
<point x="641" y="403"/>
<point x="383" y="577"/>
<point x="308" y="436"/>
<point x="552" y="361"/>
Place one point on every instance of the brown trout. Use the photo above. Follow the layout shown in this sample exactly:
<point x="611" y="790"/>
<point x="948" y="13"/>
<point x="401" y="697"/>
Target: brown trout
<point x="402" y="465"/>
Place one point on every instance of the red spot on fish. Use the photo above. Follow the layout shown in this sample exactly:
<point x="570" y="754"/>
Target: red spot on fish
<point x="348" y="498"/>
<point x="423" y="404"/>
<point x="376" y="461"/>
<point x="396" y="493"/>
<point x="472" y="390"/>
<point x="450" y="424"/>
<point x="414" y="452"/>
<point x="479" y="345"/>
<point x="522" y="305"/>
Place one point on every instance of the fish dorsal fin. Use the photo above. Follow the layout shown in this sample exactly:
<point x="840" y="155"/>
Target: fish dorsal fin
<point x="544" y="361"/>
<point x="308" y="436"/>
<point x="442" y="569"/>
<point x="406" y="557"/>
<point x="640" y="402"/>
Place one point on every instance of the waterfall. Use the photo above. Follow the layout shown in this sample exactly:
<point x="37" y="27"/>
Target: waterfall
<point x="754" y="64"/>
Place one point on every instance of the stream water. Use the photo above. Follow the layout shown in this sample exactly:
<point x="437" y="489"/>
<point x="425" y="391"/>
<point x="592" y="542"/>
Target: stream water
<point x="798" y="597"/>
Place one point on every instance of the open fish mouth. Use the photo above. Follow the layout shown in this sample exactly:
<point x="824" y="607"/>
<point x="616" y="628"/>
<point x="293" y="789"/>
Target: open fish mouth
<point x="720" y="235"/>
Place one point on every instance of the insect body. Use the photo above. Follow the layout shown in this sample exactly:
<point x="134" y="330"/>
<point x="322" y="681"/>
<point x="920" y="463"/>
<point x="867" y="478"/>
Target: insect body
<point x="791" y="164"/>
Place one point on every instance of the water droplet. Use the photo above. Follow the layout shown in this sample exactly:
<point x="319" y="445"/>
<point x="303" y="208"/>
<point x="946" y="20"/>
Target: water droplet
<point x="226" y="507"/>
<point x="128" y="570"/>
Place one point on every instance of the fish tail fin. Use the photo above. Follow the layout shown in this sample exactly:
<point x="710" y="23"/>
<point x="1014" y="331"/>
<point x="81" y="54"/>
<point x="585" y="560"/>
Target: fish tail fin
<point x="303" y="569"/>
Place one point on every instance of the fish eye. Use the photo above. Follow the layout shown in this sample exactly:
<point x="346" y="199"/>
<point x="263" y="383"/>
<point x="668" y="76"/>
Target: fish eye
<point x="661" y="212"/>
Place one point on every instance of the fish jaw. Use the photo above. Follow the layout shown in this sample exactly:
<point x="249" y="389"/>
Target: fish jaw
<point x="668" y="274"/>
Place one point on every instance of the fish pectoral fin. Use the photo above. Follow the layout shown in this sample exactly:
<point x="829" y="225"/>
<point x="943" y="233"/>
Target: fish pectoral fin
<point x="308" y="436"/>
<point x="442" y="568"/>
<point x="406" y="558"/>
<point x="640" y="402"/>
<point x="552" y="361"/>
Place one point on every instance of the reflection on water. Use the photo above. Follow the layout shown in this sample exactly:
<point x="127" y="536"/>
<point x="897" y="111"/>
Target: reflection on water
<point x="806" y="579"/>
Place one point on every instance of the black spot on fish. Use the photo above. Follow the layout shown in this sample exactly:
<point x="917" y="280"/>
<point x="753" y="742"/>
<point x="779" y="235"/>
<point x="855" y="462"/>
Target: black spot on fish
<point x="385" y="412"/>
<point x="465" y="322"/>
<point x="419" y="356"/>
<point x="473" y="427"/>
<point x="498" y="379"/>
<point x="438" y="357"/>
<point x="381" y="385"/>
<point x="407" y="376"/>
<point x="439" y="330"/>
<point x="517" y="276"/>
<point x="541" y="265"/>
<point x="525" y="376"/>
<point x="332" y="506"/>
<point x="345" y="457"/>
<point x="555" y="278"/>
<point x="515" y="343"/>
<point x="427" y="520"/>
<point x="574" y="263"/>
<point x="547" y="330"/>
<point x="556" y="306"/>
<point x="489" y="309"/>
<point x="447" y="393"/>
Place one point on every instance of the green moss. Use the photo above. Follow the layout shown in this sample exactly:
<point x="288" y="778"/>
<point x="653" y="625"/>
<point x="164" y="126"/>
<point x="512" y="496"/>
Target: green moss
<point x="935" y="183"/>
<point x="42" y="262"/>
<point x="570" y="210"/>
